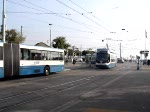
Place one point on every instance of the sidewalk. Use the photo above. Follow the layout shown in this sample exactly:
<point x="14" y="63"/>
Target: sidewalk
<point x="145" y="67"/>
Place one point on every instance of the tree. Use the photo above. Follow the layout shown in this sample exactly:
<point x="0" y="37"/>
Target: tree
<point x="70" y="52"/>
<point x="14" y="36"/>
<point x="78" y="53"/>
<point x="87" y="52"/>
<point x="60" y="42"/>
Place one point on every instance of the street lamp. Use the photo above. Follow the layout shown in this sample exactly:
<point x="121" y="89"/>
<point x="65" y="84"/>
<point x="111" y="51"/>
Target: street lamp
<point x="50" y="35"/>
<point x="4" y="21"/>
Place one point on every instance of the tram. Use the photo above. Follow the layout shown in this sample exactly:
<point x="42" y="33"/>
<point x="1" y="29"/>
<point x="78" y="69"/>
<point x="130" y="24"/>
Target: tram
<point x="105" y="58"/>
<point x="18" y="60"/>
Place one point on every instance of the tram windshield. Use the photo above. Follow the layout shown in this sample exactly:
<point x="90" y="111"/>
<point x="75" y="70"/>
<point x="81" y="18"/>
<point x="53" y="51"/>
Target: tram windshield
<point x="103" y="56"/>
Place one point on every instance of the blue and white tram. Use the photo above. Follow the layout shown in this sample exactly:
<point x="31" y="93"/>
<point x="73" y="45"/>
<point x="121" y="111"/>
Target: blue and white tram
<point x="105" y="58"/>
<point x="18" y="60"/>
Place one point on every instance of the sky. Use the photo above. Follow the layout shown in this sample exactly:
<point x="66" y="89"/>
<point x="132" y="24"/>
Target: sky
<point x="84" y="23"/>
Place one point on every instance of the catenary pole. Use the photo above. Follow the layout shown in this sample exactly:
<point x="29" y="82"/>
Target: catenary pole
<point x="4" y="20"/>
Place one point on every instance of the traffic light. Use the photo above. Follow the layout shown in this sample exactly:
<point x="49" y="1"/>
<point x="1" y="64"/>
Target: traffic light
<point x="74" y="53"/>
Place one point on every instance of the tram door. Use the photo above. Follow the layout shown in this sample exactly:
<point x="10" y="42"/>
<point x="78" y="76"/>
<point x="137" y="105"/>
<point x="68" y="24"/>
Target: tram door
<point x="11" y="59"/>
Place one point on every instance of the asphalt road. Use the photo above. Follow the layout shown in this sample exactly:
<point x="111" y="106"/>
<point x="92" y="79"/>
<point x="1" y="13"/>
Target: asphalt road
<point x="80" y="88"/>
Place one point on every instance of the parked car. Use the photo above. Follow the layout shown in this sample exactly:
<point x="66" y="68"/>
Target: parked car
<point x="120" y="61"/>
<point x="144" y="62"/>
<point x="79" y="60"/>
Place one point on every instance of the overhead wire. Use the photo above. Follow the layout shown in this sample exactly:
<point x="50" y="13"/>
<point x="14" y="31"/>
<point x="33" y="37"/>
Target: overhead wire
<point x="88" y="12"/>
<point x="45" y="12"/>
<point x="36" y="13"/>
<point x="83" y="31"/>
<point x="82" y="24"/>
<point x="81" y="14"/>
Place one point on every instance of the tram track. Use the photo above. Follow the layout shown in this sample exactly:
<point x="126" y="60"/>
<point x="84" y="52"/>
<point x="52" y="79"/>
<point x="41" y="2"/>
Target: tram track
<point x="49" y="87"/>
<point x="84" y="80"/>
<point x="23" y="81"/>
<point x="28" y="81"/>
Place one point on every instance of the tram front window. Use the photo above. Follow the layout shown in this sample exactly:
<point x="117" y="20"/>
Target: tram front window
<point x="103" y="57"/>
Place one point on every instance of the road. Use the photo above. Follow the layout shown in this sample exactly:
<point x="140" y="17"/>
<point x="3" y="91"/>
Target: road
<point x="80" y="88"/>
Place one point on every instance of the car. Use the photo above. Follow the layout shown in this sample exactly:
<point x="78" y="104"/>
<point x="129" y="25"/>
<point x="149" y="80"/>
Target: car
<point x="79" y="60"/>
<point x="120" y="61"/>
<point x="144" y="62"/>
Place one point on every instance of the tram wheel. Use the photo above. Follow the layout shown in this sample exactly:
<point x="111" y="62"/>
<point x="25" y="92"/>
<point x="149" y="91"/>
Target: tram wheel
<point x="46" y="71"/>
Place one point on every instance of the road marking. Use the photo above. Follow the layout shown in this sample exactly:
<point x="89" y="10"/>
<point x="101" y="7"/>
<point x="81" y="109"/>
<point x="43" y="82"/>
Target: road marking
<point x="66" y="69"/>
<point x="103" y="110"/>
<point x="93" y="92"/>
<point x="112" y="81"/>
<point x="65" y="106"/>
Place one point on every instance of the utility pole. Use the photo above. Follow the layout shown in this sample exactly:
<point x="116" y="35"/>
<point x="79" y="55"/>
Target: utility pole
<point x="80" y="51"/>
<point x="21" y="31"/>
<point x="50" y="35"/>
<point x="4" y="21"/>
<point x="145" y="45"/>
<point x="73" y="49"/>
<point x="120" y="50"/>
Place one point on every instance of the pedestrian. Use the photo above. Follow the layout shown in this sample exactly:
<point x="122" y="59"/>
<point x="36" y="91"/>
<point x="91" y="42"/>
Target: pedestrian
<point x="74" y="61"/>
<point x="148" y="62"/>
<point x="66" y="60"/>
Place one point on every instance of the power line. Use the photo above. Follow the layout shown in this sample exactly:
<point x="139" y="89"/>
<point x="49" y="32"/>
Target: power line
<point x="66" y="27"/>
<point x="48" y="22"/>
<point x="81" y="14"/>
<point x="87" y="12"/>
<point x="24" y="5"/>
<point x="62" y="26"/>
<point x="82" y="24"/>
<point x="38" y="13"/>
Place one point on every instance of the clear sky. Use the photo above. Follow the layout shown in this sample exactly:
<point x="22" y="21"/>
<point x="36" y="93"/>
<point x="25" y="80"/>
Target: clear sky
<point x="84" y="23"/>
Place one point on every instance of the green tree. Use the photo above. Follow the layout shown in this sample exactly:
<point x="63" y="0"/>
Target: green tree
<point x="78" y="53"/>
<point x="60" y="42"/>
<point x="87" y="52"/>
<point x="14" y="36"/>
<point x="70" y="52"/>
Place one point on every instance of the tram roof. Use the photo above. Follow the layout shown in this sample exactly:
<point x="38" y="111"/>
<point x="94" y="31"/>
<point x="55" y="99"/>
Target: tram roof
<point x="38" y="47"/>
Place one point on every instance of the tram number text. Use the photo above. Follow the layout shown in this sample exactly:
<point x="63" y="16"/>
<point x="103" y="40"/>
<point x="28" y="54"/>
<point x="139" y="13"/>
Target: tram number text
<point x="36" y="62"/>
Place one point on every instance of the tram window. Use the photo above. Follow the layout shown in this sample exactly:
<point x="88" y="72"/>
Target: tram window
<point x="54" y="55"/>
<point x="61" y="56"/>
<point x="108" y="57"/>
<point x="49" y="56"/>
<point x="35" y="55"/>
<point x="25" y="54"/>
<point x="1" y="53"/>
<point x="44" y="55"/>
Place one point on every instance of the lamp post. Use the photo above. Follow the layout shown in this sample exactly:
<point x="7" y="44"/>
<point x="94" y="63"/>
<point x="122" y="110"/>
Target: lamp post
<point x="4" y="20"/>
<point x="21" y="30"/>
<point x="120" y="44"/>
<point x="50" y="35"/>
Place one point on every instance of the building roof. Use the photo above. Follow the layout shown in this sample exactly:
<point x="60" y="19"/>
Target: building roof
<point x="41" y="44"/>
